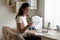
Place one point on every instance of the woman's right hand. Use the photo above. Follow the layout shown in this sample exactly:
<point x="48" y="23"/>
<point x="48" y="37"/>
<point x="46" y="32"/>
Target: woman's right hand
<point x="30" y="23"/>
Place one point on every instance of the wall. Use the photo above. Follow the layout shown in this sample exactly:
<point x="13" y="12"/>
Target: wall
<point x="7" y="17"/>
<point x="40" y="10"/>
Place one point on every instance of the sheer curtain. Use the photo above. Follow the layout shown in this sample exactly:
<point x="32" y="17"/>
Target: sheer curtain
<point x="52" y="13"/>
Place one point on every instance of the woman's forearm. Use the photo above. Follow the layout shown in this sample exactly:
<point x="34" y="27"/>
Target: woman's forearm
<point x="24" y="29"/>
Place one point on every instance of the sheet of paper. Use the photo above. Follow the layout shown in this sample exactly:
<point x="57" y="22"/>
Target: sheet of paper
<point x="38" y="33"/>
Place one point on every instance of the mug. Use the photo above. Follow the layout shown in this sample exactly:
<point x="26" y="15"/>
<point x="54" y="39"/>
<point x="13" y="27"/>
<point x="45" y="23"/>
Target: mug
<point x="30" y="19"/>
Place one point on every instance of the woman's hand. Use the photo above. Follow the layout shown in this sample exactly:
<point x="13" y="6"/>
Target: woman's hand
<point x="30" y="23"/>
<point x="29" y="20"/>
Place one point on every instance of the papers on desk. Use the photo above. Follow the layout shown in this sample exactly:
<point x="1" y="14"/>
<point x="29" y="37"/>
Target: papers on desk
<point x="41" y="33"/>
<point x="38" y="33"/>
<point x="37" y="22"/>
<point x="44" y="32"/>
<point x="37" y="25"/>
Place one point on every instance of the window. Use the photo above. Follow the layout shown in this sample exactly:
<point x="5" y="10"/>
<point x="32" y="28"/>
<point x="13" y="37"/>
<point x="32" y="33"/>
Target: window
<point x="52" y="13"/>
<point x="33" y="4"/>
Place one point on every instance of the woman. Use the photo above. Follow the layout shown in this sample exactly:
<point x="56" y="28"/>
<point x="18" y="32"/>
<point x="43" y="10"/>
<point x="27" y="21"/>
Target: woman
<point x="21" y="19"/>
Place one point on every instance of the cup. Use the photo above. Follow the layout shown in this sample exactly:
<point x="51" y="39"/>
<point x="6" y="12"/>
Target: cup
<point x="30" y="19"/>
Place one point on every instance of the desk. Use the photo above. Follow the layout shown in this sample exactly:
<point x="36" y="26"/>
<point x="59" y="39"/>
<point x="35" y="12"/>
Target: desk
<point x="51" y="35"/>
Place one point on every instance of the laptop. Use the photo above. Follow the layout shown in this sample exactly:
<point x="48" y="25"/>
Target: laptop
<point x="45" y="31"/>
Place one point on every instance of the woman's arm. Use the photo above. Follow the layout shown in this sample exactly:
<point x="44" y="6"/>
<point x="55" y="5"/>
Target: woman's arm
<point x="21" y="30"/>
<point x="20" y="26"/>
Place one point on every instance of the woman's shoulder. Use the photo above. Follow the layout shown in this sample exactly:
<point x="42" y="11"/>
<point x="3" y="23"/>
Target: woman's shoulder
<point x="19" y="16"/>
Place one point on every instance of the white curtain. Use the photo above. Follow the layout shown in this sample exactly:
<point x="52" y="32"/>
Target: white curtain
<point x="52" y="13"/>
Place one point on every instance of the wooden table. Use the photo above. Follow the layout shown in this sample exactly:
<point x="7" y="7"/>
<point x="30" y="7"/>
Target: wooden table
<point x="51" y="35"/>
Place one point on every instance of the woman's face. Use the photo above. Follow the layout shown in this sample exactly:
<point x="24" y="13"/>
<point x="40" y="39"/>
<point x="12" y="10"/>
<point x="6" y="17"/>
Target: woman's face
<point x="26" y="10"/>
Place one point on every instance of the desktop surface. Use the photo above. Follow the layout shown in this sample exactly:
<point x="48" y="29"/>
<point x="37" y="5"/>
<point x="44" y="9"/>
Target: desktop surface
<point x="51" y="34"/>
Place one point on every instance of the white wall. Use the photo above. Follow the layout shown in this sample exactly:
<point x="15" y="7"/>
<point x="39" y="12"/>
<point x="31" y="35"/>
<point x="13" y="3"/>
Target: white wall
<point x="7" y="17"/>
<point x="40" y="9"/>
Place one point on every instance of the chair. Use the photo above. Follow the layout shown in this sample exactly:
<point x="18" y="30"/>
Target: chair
<point x="11" y="34"/>
<point x="37" y="22"/>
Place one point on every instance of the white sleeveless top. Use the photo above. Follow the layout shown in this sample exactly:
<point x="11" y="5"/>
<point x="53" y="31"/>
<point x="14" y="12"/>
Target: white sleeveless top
<point x="22" y="19"/>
